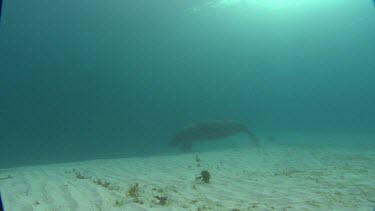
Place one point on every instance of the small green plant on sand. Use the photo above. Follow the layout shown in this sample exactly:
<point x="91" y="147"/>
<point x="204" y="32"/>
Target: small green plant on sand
<point x="119" y="203"/>
<point x="204" y="177"/>
<point x="162" y="200"/>
<point x="102" y="183"/>
<point x="133" y="192"/>
<point x="79" y="175"/>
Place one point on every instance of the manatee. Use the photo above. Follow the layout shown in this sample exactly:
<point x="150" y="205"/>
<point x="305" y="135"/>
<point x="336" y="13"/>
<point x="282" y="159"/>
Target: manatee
<point x="209" y="130"/>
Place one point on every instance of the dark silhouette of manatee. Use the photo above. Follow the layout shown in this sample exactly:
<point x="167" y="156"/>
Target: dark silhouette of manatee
<point x="209" y="130"/>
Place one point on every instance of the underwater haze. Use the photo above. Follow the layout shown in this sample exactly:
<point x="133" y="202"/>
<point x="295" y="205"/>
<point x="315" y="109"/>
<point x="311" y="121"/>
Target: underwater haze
<point x="103" y="79"/>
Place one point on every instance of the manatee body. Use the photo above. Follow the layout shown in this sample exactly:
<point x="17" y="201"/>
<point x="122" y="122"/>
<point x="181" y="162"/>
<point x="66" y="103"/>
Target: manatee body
<point x="209" y="130"/>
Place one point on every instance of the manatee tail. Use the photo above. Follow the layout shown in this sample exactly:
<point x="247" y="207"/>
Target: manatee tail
<point x="254" y="138"/>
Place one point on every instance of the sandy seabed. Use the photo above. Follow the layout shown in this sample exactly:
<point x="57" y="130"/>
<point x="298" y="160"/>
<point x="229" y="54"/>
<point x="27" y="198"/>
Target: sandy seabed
<point x="277" y="176"/>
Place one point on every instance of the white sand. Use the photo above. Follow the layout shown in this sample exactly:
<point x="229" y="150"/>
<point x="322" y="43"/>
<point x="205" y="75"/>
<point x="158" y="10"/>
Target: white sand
<point x="280" y="176"/>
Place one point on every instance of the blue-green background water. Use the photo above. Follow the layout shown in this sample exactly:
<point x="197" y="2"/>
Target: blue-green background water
<point x="99" y="79"/>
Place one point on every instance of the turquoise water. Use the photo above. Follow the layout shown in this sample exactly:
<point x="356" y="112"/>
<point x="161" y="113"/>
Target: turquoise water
<point x="104" y="79"/>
